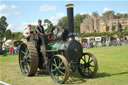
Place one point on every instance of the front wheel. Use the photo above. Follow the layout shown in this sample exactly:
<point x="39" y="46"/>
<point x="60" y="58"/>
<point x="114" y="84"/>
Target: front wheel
<point x="88" y="65"/>
<point x="59" y="68"/>
<point x="28" y="59"/>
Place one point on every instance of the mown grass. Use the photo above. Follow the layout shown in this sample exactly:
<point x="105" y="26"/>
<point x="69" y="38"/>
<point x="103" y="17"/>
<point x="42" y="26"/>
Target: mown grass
<point x="112" y="69"/>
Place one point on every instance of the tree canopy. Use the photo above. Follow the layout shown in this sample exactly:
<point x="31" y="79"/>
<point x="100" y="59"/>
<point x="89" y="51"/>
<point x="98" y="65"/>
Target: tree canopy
<point x="48" y="24"/>
<point x="122" y="15"/>
<point x="95" y="14"/>
<point x="107" y="13"/>
<point x="6" y="33"/>
<point x="3" y="24"/>
<point x="63" y="22"/>
<point x="3" y="27"/>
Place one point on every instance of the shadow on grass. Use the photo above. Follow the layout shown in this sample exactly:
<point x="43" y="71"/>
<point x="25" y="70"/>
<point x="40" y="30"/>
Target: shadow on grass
<point x="75" y="78"/>
<point x="42" y="73"/>
<point x="102" y="75"/>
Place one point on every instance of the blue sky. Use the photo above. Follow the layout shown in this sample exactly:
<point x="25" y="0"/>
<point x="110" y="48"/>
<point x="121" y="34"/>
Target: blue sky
<point x="19" y="13"/>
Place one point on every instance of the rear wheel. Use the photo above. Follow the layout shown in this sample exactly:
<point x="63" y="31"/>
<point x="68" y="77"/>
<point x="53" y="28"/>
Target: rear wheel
<point x="59" y="68"/>
<point x="88" y="65"/>
<point x="28" y="59"/>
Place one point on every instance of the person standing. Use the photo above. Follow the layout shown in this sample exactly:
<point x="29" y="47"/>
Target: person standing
<point x="40" y="28"/>
<point x="4" y="49"/>
<point x="41" y="48"/>
<point x="12" y="50"/>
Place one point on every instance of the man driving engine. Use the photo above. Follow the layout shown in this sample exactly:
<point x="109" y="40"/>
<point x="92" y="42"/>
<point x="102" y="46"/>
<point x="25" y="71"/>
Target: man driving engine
<point x="40" y="31"/>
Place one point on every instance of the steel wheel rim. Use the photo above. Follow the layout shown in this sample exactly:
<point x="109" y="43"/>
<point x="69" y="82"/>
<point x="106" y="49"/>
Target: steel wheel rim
<point x="88" y="65"/>
<point x="58" y="70"/>
<point x="24" y="60"/>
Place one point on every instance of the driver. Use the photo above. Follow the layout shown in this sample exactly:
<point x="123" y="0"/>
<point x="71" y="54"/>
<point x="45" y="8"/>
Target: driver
<point x="39" y="28"/>
<point x="40" y="31"/>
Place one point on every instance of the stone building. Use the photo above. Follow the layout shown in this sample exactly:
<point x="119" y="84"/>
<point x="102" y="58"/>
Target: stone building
<point x="99" y="24"/>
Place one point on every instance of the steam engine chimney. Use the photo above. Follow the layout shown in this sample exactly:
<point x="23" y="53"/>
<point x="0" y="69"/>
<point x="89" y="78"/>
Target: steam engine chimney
<point x="70" y="20"/>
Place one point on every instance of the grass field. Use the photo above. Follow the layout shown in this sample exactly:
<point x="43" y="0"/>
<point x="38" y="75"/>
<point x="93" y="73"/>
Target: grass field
<point x="112" y="70"/>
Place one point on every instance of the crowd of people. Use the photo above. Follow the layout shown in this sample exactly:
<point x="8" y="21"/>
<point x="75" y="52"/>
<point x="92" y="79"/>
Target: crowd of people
<point x="13" y="50"/>
<point x="114" y="42"/>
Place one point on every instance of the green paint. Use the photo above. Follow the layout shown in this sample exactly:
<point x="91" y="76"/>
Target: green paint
<point x="42" y="41"/>
<point x="59" y="36"/>
<point x="56" y="46"/>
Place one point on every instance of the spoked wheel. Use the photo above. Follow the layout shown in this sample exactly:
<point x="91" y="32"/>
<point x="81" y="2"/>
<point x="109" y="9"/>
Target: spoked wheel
<point x="88" y="65"/>
<point x="59" y="68"/>
<point x="28" y="59"/>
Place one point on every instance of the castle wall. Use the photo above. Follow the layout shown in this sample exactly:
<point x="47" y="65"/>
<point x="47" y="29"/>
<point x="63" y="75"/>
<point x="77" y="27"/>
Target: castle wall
<point x="99" y="24"/>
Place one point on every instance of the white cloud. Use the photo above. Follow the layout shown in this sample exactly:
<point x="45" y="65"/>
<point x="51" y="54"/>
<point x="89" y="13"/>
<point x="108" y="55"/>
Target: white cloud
<point x="90" y="13"/>
<point x="54" y="19"/>
<point x="45" y="8"/>
<point x="4" y="14"/>
<point x="107" y="9"/>
<point x="5" y="7"/>
<point x="125" y="12"/>
<point x="15" y="13"/>
<point x="13" y="6"/>
<point x="17" y="27"/>
<point x="23" y="25"/>
<point x="10" y="14"/>
<point x="82" y="13"/>
<point x="20" y="27"/>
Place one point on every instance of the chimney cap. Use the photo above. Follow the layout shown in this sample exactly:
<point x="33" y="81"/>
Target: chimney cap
<point x="69" y="5"/>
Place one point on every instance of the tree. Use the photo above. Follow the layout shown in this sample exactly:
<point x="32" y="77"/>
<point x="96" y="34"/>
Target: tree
<point x="107" y="29"/>
<point x="126" y="29"/>
<point x="3" y="24"/>
<point x="33" y="27"/>
<point x="108" y="13"/>
<point x="1" y="36"/>
<point x="122" y="15"/>
<point x="3" y="27"/>
<point x="8" y="34"/>
<point x="63" y="22"/>
<point x="95" y="14"/>
<point x="113" y="28"/>
<point x="17" y="36"/>
<point x="77" y="20"/>
<point x="47" y="22"/>
<point x="120" y="29"/>
<point x="49" y="25"/>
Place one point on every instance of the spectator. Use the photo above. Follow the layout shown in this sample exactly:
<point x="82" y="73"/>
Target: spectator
<point x="27" y="33"/>
<point x="11" y="50"/>
<point x="4" y="48"/>
<point x="15" y="50"/>
<point x="83" y="45"/>
<point x="125" y="40"/>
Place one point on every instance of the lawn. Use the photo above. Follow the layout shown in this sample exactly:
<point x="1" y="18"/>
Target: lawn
<point x="112" y="69"/>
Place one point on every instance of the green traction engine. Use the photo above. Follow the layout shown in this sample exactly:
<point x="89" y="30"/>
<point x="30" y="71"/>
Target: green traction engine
<point x="64" y="53"/>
